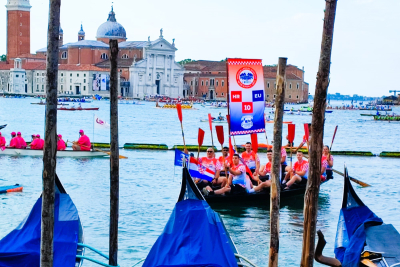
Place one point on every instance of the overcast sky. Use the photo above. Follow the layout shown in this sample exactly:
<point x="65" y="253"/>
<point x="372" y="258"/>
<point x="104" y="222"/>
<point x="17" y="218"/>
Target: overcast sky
<point x="366" y="40"/>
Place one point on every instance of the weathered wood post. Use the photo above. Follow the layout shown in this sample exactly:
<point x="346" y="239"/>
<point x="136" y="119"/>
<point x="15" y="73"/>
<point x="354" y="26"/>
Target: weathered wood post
<point x="276" y="164"/>
<point x="114" y="157"/>
<point x="317" y="126"/>
<point x="50" y="142"/>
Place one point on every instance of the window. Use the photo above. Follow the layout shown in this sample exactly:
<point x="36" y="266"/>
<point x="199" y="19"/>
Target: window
<point x="191" y="82"/>
<point x="77" y="75"/>
<point x="206" y="83"/>
<point x="16" y="75"/>
<point x="267" y="96"/>
<point x="290" y="86"/>
<point x="42" y="80"/>
<point x="70" y="80"/>
<point x="84" y="75"/>
<point x="42" y="73"/>
<point x="196" y="93"/>
<point x="62" y="80"/>
<point x="42" y="87"/>
<point x="84" y="80"/>
<point x="197" y="82"/>
<point x="216" y="94"/>
<point x="37" y="80"/>
<point x="217" y="82"/>
<point x="84" y="88"/>
<point x="274" y="96"/>
<point x="125" y="56"/>
<point x="222" y="83"/>
<point x="297" y="96"/>
<point x="222" y="94"/>
<point x="202" y="83"/>
<point x="37" y="87"/>
<point x="62" y="87"/>
<point x="64" y="55"/>
<point x="62" y="74"/>
<point x="70" y="87"/>
<point x="267" y="84"/>
<point x="37" y="74"/>
<point x="70" y="75"/>
<point x="212" y="82"/>
<point x="297" y="86"/>
<point x="22" y="76"/>
<point x="290" y="96"/>
<point x="104" y="56"/>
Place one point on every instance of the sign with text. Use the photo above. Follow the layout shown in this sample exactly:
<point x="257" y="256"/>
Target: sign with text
<point x="246" y="102"/>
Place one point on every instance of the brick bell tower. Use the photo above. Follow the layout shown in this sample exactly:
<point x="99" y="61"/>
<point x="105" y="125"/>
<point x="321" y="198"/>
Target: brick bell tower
<point x="18" y="28"/>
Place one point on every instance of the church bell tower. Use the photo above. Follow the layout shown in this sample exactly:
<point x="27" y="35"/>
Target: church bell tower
<point x="18" y="28"/>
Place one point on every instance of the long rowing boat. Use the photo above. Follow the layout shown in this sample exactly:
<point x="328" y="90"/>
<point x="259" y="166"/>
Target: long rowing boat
<point x="75" y="109"/>
<point x="362" y="239"/>
<point x="10" y="188"/>
<point x="194" y="235"/>
<point x="21" y="247"/>
<point x="215" y="120"/>
<point x="61" y="153"/>
<point x="386" y="118"/>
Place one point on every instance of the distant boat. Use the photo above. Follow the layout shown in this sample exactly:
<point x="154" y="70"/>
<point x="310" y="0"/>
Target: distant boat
<point x="362" y="239"/>
<point x="76" y="109"/>
<point x="3" y="126"/>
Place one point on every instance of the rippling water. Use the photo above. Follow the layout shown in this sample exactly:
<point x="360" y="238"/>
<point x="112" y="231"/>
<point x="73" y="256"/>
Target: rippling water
<point x="149" y="184"/>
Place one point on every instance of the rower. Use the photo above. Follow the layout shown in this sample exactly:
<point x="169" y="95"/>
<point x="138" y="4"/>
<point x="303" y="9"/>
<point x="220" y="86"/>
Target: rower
<point x="220" y="117"/>
<point x="83" y="142"/>
<point x="60" y="143"/>
<point x="14" y="142"/>
<point x="214" y="165"/>
<point x="304" y="138"/>
<point x="39" y="142"/>
<point x="265" y="171"/>
<point x="33" y="144"/>
<point x="2" y="142"/>
<point x="225" y="154"/>
<point x="21" y="140"/>
<point x="299" y="173"/>
<point x="251" y="158"/>
<point x="326" y="155"/>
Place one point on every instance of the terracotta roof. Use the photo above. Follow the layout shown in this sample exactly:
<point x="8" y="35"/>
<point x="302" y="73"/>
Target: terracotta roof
<point x="122" y="63"/>
<point x="36" y="56"/>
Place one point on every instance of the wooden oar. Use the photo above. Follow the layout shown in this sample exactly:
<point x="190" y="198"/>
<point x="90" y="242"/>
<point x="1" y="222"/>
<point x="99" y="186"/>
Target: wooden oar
<point x="291" y="134"/>
<point x="220" y="135"/>
<point x="266" y="137"/>
<point x="333" y="138"/>
<point x="210" y="122"/>
<point x="179" y="109"/>
<point x="200" y="139"/>
<point x="351" y="178"/>
<point x="307" y="134"/>
<point x="254" y="142"/>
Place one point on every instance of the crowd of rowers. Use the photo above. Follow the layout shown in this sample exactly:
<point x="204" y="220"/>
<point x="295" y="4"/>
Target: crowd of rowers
<point x="244" y="173"/>
<point x="37" y="143"/>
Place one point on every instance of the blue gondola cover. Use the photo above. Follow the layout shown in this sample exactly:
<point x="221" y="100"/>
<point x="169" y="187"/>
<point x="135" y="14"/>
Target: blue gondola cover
<point x="21" y="247"/>
<point x="194" y="236"/>
<point x="354" y="218"/>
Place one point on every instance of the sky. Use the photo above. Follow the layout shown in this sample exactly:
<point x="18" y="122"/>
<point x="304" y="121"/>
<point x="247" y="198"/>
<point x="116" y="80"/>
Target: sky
<point x="366" y="42"/>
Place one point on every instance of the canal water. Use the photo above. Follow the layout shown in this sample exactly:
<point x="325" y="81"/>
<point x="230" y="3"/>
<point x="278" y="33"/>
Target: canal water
<point x="150" y="184"/>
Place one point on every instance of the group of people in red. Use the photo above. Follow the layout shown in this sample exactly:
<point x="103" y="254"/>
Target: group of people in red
<point x="244" y="173"/>
<point x="17" y="141"/>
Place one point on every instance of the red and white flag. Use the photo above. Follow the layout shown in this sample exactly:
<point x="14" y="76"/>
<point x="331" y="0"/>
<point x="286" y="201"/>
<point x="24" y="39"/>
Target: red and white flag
<point x="100" y="124"/>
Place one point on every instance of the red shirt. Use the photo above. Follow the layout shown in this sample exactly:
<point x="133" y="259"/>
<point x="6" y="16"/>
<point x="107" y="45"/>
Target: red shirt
<point x="303" y="166"/>
<point x="15" y="142"/>
<point x="84" y="143"/>
<point x="2" y="141"/>
<point x="227" y="161"/>
<point x="61" y="145"/>
<point x="267" y="167"/>
<point x="40" y="144"/>
<point x="250" y="159"/>
<point x="212" y="164"/>
<point x="21" y="142"/>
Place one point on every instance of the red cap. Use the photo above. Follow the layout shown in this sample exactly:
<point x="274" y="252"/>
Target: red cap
<point x="13" y="133"/>
<point x="38" y="135"/>
<point x="19" y="133"/>
<point x="80" y="131"/>
<point x="60" y="135"/>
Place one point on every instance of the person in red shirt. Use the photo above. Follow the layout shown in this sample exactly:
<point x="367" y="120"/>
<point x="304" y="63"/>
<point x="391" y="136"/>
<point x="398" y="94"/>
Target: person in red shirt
<point x="2" y="142"/>
<point x="326" y="155"/>
<point x="14" y="142"/>
<point x="214" y="165"/>
<point x="39" y="142"/>
<point x="60" y="143"/>
<point x="251" y="158"/>
<point x="299" y="173"/>
<point x="22" y="142"/>
<point x="265" y="171"/>
<point x="225" y="155"/>
<point x="83" y="142"/>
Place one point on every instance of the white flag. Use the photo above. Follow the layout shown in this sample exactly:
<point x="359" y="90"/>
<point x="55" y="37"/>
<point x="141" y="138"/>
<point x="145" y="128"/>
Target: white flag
<point x="98" y="123"/>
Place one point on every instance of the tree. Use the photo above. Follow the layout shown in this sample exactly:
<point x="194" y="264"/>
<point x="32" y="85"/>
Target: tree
<point x="3" y="58"/>
<point x="185" y="61"/>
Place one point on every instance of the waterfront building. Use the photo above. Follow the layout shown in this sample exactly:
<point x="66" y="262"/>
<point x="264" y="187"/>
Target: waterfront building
<point x="85" y="63"/>
<point x="208" y="80"/>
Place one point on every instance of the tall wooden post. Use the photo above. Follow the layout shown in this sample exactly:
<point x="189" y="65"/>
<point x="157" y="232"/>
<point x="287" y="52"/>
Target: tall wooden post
<point x="317" y="126"/>
<point x="276" y="164"/>
<point x="114" y="157"/>
<point x="50" y="142"/>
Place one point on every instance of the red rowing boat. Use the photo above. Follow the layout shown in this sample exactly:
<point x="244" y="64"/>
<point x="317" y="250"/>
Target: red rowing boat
<point x="79" y="108"/>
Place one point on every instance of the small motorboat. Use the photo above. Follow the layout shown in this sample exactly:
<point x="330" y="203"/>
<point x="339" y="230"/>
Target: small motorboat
<point x="10" y="188"/>
<point x="215" y="120"/>
<point x="362" y="239"/>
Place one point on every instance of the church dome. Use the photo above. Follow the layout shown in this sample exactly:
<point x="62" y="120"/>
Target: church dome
<point x="111" y="29"/>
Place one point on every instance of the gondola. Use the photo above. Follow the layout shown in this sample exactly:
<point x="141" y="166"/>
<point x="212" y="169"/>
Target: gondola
<point x="21" y="247"/>
<point x="362" y="239"/>
<point x="194" y="235"/>
<point x="263" y="195"/>
<point x="3" y="126"/>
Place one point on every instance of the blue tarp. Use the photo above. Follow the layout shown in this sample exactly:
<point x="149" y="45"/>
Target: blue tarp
<point x="194" y="236"/>
<point x="21" y="247"/>
<point x="353" y="219"/>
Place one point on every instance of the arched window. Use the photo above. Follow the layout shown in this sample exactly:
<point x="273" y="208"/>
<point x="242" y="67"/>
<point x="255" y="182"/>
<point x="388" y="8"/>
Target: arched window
<point x="125" y="56"/>
<point x="64" y="55"/>
<point x="104" y="56"/>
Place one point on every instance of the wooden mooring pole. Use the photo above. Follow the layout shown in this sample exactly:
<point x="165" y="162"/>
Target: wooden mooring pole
<point x="50" y="141"/>
<point x="317" y="126"/>
<point x="276" y="164"/>
<point x="114" y="157"/>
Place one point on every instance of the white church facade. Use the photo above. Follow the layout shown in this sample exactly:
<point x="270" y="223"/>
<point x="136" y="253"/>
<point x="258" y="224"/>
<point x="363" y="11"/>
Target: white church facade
<point x="157" y="73"/>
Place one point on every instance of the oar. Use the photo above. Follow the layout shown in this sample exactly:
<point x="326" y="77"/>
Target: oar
<point x="307" y="133"/>
<point x="228" y="119"/>
<point x="266" y="137"/>
<point x="333" y="138"/>
<point x="291" y="134"/>
<point x="210" y="122"/>
<point x="254" y="142"/>
<point x="200" y="139"/>
<point x="179" y="109"/>
<point x="220" y="135"/>
<point x="351" y="178"/>
<point x="99" y="150"/>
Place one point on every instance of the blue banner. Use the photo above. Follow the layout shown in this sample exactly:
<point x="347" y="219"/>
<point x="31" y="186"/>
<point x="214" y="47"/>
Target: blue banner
<point x="179" y="156"/>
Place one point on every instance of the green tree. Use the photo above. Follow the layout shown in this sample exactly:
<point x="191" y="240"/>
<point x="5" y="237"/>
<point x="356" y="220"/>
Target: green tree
<point x="185" y="61"/>
<point x="3" y="58"/>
